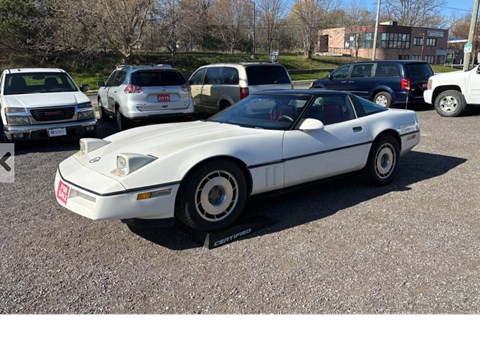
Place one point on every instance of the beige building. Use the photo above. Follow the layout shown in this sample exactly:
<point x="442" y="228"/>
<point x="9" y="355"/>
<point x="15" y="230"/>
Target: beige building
<point x="393" y="42"/>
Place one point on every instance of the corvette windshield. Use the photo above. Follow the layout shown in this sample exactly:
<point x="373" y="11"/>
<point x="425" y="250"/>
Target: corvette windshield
<point x="38" y="82"/>
<point x="264" y="111"/>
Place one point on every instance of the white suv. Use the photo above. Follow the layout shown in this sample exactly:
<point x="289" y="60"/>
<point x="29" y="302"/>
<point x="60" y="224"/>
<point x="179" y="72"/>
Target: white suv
<point x="41" y="103"/>
<point x="136" y="93"/>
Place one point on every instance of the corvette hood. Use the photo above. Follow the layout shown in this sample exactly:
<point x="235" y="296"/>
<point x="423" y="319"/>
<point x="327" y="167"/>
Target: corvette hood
<point x="177" y="146"/>
<point x="161" y="140"/>
<point x="42" y="100"/>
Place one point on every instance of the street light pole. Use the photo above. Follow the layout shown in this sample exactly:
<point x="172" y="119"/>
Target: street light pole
<point x="471" y="34"/>
<point x="374" y="50"/>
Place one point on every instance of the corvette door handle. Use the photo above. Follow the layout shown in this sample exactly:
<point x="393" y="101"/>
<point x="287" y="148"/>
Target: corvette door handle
<point x="357" y="129"/>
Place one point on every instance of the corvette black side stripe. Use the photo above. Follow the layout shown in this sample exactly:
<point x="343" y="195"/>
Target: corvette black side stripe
<point x="308" y="155"/>
<point x="123" y="192"/>
<point x="319" y="153"/>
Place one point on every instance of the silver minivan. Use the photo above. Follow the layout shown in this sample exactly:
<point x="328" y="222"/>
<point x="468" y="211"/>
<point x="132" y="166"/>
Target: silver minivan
<point x="217" y="86"/>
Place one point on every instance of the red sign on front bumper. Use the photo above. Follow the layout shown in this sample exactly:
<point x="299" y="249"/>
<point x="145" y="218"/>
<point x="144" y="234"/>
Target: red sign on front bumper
<point x="62" y="192"/>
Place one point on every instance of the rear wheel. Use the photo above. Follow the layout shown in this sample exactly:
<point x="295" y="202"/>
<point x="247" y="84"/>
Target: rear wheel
<point x="223" y="105"/>
<point x="122" y="122"/>
<point x="450" y="103"/>
<point x="382" y="161"/>
<point x="102" y="114"/>
<point x="212" y="197"/>
<point x="383" y="98"/>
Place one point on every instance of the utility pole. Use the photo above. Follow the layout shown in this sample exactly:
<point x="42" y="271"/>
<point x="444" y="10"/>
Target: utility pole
<point x="374" y="50"/>
<point x="254" y="26"/>
<point x="471" y="36"/>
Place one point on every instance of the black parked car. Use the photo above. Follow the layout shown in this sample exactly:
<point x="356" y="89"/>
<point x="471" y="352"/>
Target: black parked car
<point x="386" y="82"/>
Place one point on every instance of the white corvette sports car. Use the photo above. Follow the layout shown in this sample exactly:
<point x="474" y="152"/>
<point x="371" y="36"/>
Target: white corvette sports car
<point x="202" y="172"/>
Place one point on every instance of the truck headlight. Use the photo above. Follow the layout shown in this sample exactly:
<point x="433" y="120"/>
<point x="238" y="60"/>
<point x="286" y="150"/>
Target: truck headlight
<point x="17" y="116"/>
<point x="18" y="120"/>
<point x="128" y="163"/>
<point x="89" y="114"/>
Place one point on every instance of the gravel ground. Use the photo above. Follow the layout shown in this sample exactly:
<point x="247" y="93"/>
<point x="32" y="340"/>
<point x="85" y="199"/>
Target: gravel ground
<point x="338" y="247"/>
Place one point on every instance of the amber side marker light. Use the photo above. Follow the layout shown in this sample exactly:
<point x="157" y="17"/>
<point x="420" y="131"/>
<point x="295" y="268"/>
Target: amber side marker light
<point x="144" y="196"/>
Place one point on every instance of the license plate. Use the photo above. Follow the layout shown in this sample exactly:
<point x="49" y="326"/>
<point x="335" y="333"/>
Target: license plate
<point x="62" y="192"/>
<point x="163" y="97"/>
<point x="57" y="132"/>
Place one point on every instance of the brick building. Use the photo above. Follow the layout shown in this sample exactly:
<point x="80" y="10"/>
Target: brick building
<point x="393" y="42"/>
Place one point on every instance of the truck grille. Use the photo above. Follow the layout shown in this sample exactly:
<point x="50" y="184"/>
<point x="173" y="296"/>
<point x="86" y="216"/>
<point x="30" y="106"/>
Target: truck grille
<point x="54" y="114"/>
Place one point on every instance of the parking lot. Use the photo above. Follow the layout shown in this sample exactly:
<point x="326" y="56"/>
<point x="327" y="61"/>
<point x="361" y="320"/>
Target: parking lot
<point x="338" y="247"/>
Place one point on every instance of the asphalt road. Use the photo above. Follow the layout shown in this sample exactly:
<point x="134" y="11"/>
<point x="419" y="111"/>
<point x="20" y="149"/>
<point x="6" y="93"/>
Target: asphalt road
<point x="339" y="247"/>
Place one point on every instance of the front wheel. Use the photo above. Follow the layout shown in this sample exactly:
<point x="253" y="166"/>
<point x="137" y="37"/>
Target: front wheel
<point x="382" y="161"/>
<point x="449" y="103"/>
<point x="212" y="197"/>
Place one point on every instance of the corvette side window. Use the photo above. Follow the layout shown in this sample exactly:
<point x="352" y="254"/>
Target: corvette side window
<point x="331" y="109"/>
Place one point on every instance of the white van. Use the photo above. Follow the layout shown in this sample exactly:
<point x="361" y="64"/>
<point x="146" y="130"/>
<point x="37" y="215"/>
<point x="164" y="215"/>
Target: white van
<point x="217" y="86"/>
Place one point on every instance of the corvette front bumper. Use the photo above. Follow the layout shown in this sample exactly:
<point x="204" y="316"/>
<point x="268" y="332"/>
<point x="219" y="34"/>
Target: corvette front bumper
<point x="123" y="204"/>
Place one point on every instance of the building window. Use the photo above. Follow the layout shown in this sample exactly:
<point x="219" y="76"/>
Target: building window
<point x="430" y="59"/>
<point x="431" y="42"/>
<point x="418" y="41"/>
<point x="416" y="57"/>
<point x="394" y="41"/>
<point x="403" y="57"/>
<point x="363" y="41"/>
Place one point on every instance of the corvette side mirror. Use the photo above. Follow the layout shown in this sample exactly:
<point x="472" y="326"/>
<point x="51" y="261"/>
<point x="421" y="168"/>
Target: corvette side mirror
<point x="311" y="124"/>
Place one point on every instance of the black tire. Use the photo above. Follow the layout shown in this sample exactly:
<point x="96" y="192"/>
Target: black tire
<point x="102" y="114"/>
<point x="450" y="103"/>
<point x="383" y="98"/>
<point x="122" y="122"/>
<point x="212" y="197"/>
<point x="382" y="161"/>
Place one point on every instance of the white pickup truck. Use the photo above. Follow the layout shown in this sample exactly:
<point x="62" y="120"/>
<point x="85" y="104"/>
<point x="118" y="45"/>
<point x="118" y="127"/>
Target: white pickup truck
<point x="450" y="93"/>
<point x="41" y="103"/>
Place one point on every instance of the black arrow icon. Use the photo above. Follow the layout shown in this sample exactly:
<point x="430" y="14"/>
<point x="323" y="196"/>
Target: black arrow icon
<point x="3" y="161"/>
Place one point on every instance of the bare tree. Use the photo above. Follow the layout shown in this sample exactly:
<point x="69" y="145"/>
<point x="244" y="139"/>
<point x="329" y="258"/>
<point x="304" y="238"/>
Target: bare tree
<point x="271" y="14"/>
<point x="357" y="21"/>
<point x="415" y="12"/>
<point x="309" y="16"/>
<point x="121" y="23"/>
<point x="168" y="17"/>
<point x="229" y="18"/>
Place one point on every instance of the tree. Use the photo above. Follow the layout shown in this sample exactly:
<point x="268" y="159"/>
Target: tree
<point x="229" y="18"/>
<point x="18" y="24"/>
<point x="121" y="23"/>
<point x="357" y="21"/>
<point x="309" y="16"/>
<point x="415" y="12"/>
<point x="271" y="14"/>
